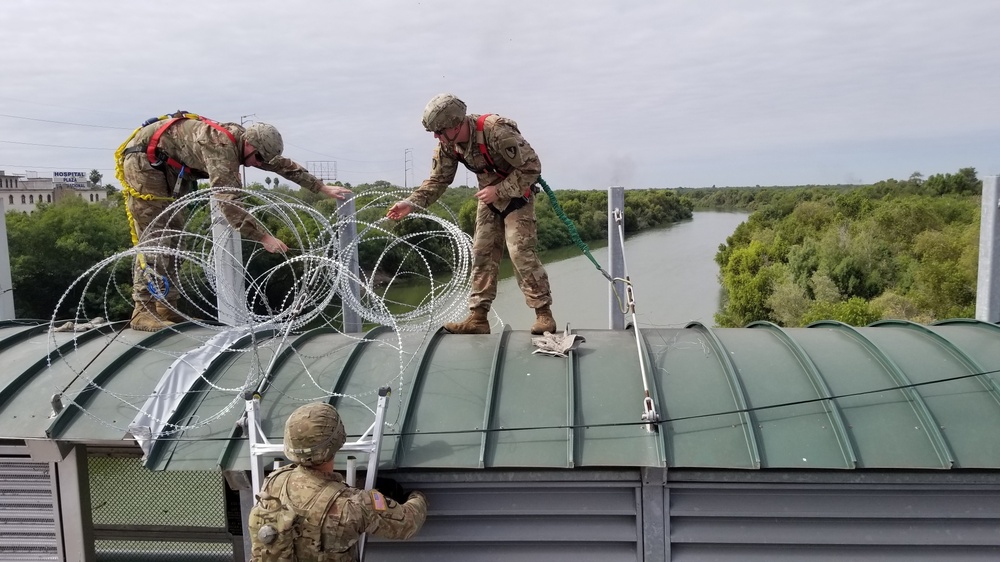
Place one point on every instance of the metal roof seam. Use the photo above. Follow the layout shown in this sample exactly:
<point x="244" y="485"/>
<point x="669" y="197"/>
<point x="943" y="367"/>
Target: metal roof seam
<point x="814" y="374"/>
<point x="931" y="427"/>
<point x="739" y="393"/>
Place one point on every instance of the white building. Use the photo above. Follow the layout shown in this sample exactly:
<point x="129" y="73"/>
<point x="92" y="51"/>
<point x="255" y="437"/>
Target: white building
<point x="24" y="192"/>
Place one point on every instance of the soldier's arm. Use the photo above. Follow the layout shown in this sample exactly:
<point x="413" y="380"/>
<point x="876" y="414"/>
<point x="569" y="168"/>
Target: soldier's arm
<point x="518" y="153"/>
<point x="443" y="168"/>
<point x="388" y="519"/>
<point x="293" y="172"/>
<point x="222" y="163"/>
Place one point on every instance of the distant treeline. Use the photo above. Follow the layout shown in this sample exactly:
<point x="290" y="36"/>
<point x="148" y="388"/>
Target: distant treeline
<point x="896" y="249"/>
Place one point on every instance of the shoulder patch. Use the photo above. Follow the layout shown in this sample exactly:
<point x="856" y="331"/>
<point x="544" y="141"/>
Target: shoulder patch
<point x="378" y="501"/>
<point x="510" y="148"/>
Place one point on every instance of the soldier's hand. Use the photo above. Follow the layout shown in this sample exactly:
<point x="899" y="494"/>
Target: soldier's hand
<point x="399" y="210"/>
<point x="391" y="489"/>
<point x="272" y="244"/>
<point x="335" y="191"/>
<point x="487" y="194"/>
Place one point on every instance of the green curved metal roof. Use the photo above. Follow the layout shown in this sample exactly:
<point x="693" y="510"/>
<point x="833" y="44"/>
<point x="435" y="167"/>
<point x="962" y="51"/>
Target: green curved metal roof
<point x="892" y="395"/>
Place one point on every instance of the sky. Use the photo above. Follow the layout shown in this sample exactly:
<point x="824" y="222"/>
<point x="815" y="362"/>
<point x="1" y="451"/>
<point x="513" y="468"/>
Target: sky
<point x="647" y="94"/>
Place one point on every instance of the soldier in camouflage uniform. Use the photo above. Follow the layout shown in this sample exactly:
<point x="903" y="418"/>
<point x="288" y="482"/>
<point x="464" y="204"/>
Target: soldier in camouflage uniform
<point x="331" y="516"/>
<point x="203" y="149"/>
<point x="507" y="169"/>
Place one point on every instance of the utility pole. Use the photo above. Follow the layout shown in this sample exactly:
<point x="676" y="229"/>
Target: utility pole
<point x="6" y="286"/>
<point x="243" y="119"/>
<point x="407" y="165"/>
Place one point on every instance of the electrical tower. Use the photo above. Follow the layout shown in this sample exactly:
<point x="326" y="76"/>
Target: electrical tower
<point x="325" y="170"/>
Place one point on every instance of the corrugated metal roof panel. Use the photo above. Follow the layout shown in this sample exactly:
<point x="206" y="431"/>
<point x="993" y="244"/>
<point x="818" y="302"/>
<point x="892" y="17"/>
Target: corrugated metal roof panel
<point x="607" y="389"/>
<point x="700" y="400"/>
<point x="961" y="409"/>
<point x="458" y="377"/>
<point x="883" y="423"/>
<point x="112" y="391"/>
<point x="828" y="396"/>
<point x="799" y="435"/>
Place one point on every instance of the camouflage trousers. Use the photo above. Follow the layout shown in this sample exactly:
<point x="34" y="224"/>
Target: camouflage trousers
<point x="519" y="231"/>
<point x="164" y="234"/>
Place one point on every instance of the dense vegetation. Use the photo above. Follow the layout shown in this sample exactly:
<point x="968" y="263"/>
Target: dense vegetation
<point x="52" y="247"/>
<point x="76" y="235"/>
<point x="896" y="249"/>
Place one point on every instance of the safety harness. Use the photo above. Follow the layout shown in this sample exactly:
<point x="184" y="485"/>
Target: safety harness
<point x="491" y="167"/>
<point x="158" y="159"/>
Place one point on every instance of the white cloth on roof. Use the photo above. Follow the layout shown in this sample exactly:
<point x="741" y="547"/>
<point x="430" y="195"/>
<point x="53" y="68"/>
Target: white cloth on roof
<point x="556" y="345"/>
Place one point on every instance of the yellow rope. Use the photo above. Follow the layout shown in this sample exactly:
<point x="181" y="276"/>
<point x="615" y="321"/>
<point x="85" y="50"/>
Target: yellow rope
<point x="129" y="191"/>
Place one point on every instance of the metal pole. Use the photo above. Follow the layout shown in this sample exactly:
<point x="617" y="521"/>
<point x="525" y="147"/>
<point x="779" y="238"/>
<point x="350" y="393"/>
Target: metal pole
<point x="244" y="168"/>
<point x="407" y="164"/>
<point x="6" y="285"/>
<point x="988" y="284"/>
<point x="230" y="291"/>
<point x="348" y="234"/>
<point x="616" y="259"/>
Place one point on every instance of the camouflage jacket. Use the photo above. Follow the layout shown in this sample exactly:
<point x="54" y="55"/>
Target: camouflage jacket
<point x="511" y="155"/>
<point x="208" y="153"/>
<point x="352" y="513"/>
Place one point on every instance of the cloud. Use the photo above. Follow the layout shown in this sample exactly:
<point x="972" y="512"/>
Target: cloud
<point x="643" y="94"/>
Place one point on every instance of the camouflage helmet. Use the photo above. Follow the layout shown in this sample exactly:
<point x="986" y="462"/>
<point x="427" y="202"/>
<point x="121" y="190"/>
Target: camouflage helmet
<point x="443" y="112"/>
<point x="313" y="434"/>
<point x="266" y="139"/>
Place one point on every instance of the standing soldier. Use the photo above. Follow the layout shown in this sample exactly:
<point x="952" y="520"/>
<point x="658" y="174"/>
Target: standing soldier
<point x="163" y="160"/>
<point x="507" y="169"/>
<point x="306" y="512"/>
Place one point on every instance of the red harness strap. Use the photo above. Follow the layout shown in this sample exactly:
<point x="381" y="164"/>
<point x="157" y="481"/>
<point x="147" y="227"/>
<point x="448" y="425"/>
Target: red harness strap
<point x="481" y="141"/>
<point x="154" y="141"/>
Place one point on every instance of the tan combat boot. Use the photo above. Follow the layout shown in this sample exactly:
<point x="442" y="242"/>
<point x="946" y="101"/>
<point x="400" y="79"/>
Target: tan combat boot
<point x="544" y="322"/>
<point x="168" y="312"/>
<point x="475" y="323"/>
<point x="144" y="318"/>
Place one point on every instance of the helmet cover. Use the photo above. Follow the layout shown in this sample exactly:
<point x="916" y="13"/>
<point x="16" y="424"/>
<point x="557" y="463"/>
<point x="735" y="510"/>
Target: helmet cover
<point x="313" y="434"/>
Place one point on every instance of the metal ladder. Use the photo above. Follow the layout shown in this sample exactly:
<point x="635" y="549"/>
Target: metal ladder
<point x="369" y="443"/>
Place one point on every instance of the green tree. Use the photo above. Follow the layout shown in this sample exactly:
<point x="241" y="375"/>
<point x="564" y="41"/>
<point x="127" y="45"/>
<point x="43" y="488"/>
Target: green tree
<point x="855" y="311"/>
<point x="747" y="283"/>
<point x="902" y="249"/>
<point x="75" y="235"/>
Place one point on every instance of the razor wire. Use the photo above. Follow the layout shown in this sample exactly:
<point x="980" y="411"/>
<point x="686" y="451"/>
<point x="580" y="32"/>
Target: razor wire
<point x="316" y="271"/>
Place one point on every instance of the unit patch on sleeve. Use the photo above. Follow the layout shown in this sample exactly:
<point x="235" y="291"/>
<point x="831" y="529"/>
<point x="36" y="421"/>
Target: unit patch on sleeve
<point x="378" y="501"/>
<point x="511" y="151"/>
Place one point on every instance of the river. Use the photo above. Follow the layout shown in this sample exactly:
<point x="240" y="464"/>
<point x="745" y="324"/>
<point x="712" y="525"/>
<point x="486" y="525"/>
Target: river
<point x="673" y="272"/>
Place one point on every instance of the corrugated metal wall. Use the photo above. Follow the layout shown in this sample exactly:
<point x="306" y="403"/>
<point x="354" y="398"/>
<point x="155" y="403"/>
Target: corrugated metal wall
<point x="812" y="517"/>
<point x="703" y="516"/>
<point x="29" y="524"/>
<point x="523" y="516"/>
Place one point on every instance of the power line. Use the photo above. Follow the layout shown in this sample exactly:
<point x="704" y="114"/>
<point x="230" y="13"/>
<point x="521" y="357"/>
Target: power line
<point x="64" y="122"/>
<point x="61" y="106"/>
<point x="30" y="167"/>
<point x="340" y="158"/>
<point x="57" y="145"/>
